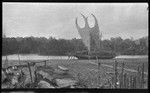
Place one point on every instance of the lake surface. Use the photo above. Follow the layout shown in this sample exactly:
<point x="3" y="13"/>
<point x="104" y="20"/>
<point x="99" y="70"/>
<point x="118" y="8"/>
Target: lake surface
<point x="132" y="57"/>
<point x="40" y="57"/>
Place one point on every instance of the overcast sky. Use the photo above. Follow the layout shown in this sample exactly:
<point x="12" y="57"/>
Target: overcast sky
<point x="58" y="19"/>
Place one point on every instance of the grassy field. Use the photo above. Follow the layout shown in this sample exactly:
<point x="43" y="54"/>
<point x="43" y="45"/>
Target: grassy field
<point x="87" y="70"/>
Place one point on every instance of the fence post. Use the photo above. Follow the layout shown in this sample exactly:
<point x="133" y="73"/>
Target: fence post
<point x="35" y="76"/>
<point x="130" y="82"/>
<point x="116" y="73"/>
<point x="99" y="64"/>
<point x="30" y="71"/>
<point x="135" y="83"/>
<point x="142" y="75"/>
<point x="120" y="80"/>
<point x="125" y="81"/>
<point x="138" y="77"/>
<point x="122" y="76"/>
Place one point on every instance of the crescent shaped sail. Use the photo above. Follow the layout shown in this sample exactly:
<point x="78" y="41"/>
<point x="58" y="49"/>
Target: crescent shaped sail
<point x="95" y="36"/>
<point x="90" y="36"/>
<point x="84" y="33"/>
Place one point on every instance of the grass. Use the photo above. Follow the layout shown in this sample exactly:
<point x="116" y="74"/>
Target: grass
<point x="85" y="72"/>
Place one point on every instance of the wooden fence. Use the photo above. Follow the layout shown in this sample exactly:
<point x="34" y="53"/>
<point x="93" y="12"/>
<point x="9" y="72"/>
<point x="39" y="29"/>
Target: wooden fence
<point x="124" y="80"/>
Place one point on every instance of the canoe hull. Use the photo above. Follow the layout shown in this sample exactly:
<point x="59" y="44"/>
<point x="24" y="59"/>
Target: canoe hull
<point x="82" y="57"/>
<point x="95" y="55"/>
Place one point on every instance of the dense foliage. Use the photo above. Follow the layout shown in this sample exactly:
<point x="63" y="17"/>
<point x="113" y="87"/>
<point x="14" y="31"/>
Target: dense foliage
<point x="52" y="46"/>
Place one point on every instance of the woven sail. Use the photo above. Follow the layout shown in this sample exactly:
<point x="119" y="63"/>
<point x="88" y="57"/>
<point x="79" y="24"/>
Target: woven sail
<point x="95" y="36"/>
<point x="90" y="36"/>
<point x="84" y="33"/>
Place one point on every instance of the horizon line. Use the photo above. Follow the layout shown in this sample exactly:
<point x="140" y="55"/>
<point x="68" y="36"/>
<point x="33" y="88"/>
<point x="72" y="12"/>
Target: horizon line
<point x="69" y="39"/>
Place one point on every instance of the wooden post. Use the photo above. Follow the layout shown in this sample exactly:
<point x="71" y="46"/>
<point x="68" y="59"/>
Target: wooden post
<point x="116" y="73"/>
<point x="125" y="81"/>
<point x="138" y="77"/>
<point x="134" y="83"/>
<point x="122" y="77"/>
<point x="142" y="80"/>
<point x="130" y="82"/>
<point x="30" y="71"/>
<point x="120" y="81"/>
<point x="35" y="76"/>
<point x="99" y="64"/>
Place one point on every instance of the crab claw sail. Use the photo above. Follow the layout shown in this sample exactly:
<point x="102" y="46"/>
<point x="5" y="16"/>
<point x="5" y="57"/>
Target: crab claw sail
<point x="90" y="36"/>
<point x="95" y="35"/>
<point x="84" y="33"/>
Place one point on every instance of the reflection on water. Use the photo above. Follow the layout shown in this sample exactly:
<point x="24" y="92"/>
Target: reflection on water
<point x="40" y="57"/>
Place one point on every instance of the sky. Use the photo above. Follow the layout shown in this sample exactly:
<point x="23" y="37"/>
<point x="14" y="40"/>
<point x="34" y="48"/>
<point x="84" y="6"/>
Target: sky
<point x="58" y="19"/>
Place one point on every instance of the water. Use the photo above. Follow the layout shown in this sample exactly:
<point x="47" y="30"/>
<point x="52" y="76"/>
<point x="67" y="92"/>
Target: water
<point x="33" y="57"/>
<point x="40" y="57"/>
<point x="132" y="57"/>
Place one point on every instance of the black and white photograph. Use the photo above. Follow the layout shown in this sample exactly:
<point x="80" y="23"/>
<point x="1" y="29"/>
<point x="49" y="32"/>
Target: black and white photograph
<point x="74" y="45"/>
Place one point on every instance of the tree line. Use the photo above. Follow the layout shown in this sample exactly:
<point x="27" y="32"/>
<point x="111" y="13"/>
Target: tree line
<point x="52" y="46"/>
